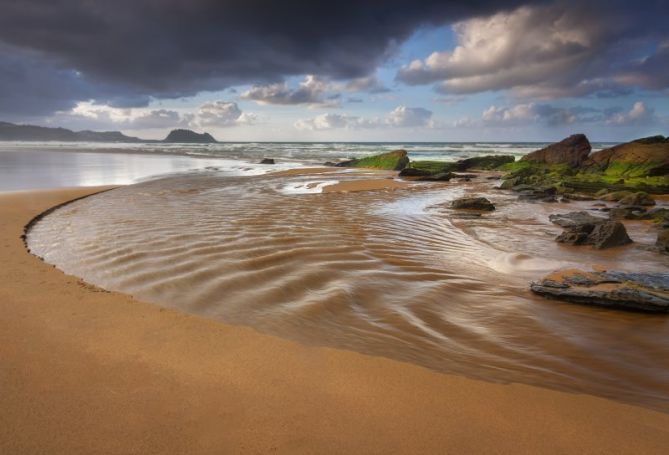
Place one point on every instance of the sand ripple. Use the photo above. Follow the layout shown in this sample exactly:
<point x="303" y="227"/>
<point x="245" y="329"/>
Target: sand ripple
<point x="391" y="273"/>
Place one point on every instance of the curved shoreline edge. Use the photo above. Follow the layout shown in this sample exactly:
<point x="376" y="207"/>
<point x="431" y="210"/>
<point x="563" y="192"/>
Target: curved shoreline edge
<point x="83" y="371"/>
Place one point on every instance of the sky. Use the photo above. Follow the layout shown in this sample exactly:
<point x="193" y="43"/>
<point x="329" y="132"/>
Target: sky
<point x="261" y="70"/>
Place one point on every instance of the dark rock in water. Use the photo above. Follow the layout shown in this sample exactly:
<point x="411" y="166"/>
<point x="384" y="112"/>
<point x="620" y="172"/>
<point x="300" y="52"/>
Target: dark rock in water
<point x="573" y="219"/>
<point x="583" y="228"/>
<point x="608" y="235"/>
<point x="267" y="161"/>
<point x="441" y="177"/>
<point x="576" y="235"/>
<point x="571" y="151"/>
<point x="329" y="163"/>
<point x="413" y="172"/>
<point x="662" y="244"/>
<point x="536" y="194"/>
<point x="473" y="203"/>
<point x="629" y="291"/>
<point x="639" y="198"/>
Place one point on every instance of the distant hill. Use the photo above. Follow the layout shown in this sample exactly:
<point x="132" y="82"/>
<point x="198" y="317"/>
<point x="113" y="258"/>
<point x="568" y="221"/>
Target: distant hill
<point x="188" y="136"/>
<point x="12" y="132"/>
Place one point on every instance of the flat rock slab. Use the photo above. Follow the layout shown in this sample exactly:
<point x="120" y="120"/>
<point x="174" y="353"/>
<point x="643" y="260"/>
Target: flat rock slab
<point x="573" y="219"/>
<point x="648" y="292"/>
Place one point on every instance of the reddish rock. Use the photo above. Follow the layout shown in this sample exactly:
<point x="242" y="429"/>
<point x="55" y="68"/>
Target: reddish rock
<point x="573" y="151"/>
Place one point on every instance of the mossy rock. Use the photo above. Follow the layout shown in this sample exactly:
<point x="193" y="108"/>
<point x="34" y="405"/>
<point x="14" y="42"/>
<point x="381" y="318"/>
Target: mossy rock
<point x="392" y="161"/>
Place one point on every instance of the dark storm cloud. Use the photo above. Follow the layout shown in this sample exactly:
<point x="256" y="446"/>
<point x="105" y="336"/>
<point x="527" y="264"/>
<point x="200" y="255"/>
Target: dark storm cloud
<point x="125" y="51"/>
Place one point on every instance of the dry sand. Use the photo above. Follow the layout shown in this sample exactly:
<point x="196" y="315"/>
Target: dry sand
<point x="86" y="371"/>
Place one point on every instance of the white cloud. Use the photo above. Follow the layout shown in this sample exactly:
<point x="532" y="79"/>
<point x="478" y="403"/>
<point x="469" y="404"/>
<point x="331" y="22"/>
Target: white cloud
<point x="336" y="121"/>
<point x="403" y="116"/>
<point x="311" y="91"/>
<point x="638" y="115"/>
<point x="98" y="116"/>
<point x="222" y="114"/>
<point x="548" y="51"/>
<point x="400" y="117"/>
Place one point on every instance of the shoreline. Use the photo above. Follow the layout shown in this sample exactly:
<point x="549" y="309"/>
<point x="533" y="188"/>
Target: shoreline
<point x="91" y="371"/>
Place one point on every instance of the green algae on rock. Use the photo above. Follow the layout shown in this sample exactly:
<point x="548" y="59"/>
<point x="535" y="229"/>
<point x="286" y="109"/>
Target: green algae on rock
<point x="391" y="161"/>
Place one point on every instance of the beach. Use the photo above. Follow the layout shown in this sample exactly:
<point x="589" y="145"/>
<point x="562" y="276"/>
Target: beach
<point x="87" y="371"/>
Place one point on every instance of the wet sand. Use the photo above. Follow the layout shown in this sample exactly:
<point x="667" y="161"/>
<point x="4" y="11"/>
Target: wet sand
<point x="87" y="371"/>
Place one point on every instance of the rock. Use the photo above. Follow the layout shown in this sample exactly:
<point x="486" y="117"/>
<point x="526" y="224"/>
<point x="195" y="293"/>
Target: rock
<point x="608" y="235"/>
<point x="473" y="203"/>
<point x="583" y="228"/>
<point x="639" y="198"/>
<point x="578" y="197"/>
<point x="646" y="157"/>
<point x="631" y="212"/>
<point x="614" y="196"/>
<point x="572" y="219"/>
<point x="329" y="163"/>
<point x="413" y="172"/>
<point x="571" y="151"/>
<point x="536" y="194"/>
<point x="483" y="162"/>
<point x="662" y="243"/>
<point x="396" y="160"/>
<point x="576" y="235"/>
<point x="629" y="291"/>
<point x="267" y="161"/>
<point x="441" y="177"/>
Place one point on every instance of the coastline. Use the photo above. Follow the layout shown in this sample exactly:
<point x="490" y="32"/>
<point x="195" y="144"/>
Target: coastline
<point x="89" y="371"/>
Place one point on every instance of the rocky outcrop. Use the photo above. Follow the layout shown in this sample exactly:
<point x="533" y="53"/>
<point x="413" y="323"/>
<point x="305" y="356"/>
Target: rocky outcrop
<point x="396" y="160"/>
<point x="629" y="291"/>
<point x="646" y="157"/>
<point x="189" y="137"/>
<point x="267" y="161"/>
<point x="473" y="203"/>
<point x="430" y="168"/>
<point x="571" y="151"/>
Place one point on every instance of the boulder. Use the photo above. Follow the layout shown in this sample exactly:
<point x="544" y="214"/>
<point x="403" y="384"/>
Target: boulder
<point x="622" y="290"/>
<point x="608" y="235"/>
<point x="267" y="161"/>
<point x="576" y="235"/>
<point x="473" y="203"/>
<point x="571" y="151"/>
<point x="538" y="194"/>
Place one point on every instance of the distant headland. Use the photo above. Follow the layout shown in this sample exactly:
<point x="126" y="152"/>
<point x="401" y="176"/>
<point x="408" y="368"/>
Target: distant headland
<point x="13" y="132"/>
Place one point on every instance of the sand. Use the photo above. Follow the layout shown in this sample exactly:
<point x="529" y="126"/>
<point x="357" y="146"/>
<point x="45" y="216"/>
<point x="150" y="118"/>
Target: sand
<point x="87" y="371"/>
